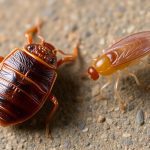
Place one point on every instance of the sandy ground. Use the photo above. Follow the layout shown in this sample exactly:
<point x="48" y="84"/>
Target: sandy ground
<point x="84" y="121"/>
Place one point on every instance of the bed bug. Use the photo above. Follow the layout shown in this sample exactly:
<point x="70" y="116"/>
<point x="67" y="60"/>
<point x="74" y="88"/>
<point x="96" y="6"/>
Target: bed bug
<point x="27" y="76"/>
<point x="124" y="53"/>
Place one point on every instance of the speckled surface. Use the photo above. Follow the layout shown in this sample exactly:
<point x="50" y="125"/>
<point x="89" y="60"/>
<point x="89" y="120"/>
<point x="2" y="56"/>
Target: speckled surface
<point x="83" y="121"/>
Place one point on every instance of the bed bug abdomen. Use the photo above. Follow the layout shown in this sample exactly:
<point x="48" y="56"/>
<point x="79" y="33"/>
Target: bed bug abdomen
<point x="25" y="83"/>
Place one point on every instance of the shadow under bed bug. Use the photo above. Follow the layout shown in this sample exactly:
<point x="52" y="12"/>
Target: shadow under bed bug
<point x="27" y="76"/>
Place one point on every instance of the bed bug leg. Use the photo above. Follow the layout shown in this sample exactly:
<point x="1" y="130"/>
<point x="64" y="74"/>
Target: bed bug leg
<point x="33" y="30"/>
<point x="68" y="57"/>
<point x="53" y="99"/>
<point x="122" y="104"/>
<point x="134" y="76"/>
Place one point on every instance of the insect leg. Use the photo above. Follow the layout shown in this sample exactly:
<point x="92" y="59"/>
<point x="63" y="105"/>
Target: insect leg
<point x="68" y="57"/>
<point x="53" y="99"/>
<point x="33" y="30"/>
<point x="122" y="104"/>
<point x="145" y="63"/>
<point x="134" y="76"/>
<point x="109" y="79"/>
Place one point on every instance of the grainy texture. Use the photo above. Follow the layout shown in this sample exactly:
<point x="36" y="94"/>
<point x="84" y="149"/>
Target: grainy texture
<point x="77" y="125"/>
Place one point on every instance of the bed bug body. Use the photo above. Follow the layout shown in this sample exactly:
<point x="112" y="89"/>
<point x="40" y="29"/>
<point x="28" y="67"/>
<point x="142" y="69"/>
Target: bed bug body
<point x="27" y="76"/>
<point x="25" y="83"/>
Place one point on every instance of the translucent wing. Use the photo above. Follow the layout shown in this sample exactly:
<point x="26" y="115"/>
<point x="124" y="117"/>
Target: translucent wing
<point x="130" y="48"/>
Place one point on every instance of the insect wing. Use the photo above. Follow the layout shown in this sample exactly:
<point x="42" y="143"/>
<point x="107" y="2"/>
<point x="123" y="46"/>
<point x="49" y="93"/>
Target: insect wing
<point x="131" y="48"/>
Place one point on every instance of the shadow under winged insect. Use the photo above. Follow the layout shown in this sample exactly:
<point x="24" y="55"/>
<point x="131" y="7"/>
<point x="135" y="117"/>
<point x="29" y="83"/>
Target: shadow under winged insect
<point x="124" y="53"/>
<point x="27" y="76"/>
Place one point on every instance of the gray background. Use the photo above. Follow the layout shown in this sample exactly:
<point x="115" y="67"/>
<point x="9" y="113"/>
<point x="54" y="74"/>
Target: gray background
<point x="77" y="125"/>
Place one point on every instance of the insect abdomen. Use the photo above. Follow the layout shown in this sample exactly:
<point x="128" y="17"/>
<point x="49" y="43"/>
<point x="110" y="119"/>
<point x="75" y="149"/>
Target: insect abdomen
<point x="20" y="95"/>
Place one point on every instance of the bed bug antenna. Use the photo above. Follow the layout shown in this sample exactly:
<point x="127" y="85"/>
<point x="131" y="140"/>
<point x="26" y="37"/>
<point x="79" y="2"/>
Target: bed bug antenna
<point x="29" y="38"/>
<point x="42" y="39"/>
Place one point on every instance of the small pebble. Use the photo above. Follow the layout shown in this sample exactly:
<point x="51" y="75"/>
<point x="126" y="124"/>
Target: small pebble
<point x="140" y="117"/>
<point x="101" y="119"/>
<point x="87" y="34"/>
<point x="85" y="130"/>
<point x="130" y="29"/>
<point x="117" y="109"/>
<point x="74" y="27"/>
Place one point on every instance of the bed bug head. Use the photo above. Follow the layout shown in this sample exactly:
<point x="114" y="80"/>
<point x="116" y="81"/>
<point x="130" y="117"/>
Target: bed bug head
<point x="93" y="73"/>
<point x="44" y="51"/>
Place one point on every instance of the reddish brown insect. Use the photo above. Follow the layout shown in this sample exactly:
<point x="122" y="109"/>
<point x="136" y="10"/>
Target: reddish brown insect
<point x="124" y="53"/>
<point x="27" y="76"/>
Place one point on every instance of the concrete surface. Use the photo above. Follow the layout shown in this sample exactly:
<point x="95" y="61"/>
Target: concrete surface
<point x="84" y="121"/>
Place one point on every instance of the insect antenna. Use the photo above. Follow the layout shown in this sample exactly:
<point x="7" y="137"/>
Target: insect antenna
<point x="42" y="39"/>
<point x="33" y="30"/>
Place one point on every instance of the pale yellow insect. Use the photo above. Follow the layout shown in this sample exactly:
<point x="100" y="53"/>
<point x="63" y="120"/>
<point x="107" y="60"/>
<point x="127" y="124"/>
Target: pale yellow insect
<point x="124" y="53"/>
